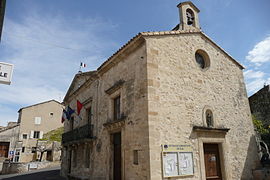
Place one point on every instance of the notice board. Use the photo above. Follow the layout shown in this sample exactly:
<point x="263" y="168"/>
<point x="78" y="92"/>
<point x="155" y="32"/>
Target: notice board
<point x="177" y="160"/>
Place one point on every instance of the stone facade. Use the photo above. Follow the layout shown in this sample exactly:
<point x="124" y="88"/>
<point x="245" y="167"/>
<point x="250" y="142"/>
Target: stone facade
<point x="164" y="97"/>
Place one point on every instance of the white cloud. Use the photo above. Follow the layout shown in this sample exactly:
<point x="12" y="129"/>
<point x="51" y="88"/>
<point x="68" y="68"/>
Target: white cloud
<point x="260" y="53"/>
<point x="255" y="80"/>
<point x="46" y="52"/>
<point x="250" y="74"/>
<point x="259" y="59"/>
<point x="255" y="85"/>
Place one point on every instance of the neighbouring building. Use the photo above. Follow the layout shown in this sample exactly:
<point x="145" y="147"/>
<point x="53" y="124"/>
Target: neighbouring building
<point x="260" y="105"/>
<point x="260" y="108"/>
<point x="34" y="121"/>
<point x="2" y="14"/>
<point x="8" y="139"/>
<point x="166" y="105"/>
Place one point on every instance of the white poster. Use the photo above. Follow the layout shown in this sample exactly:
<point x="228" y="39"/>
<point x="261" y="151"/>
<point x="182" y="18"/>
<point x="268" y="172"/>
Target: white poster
<point x="170" y="164"/>
<point x="185" y="163"/>
<point x="6" y="71"/>
<point x="177" y="160"/>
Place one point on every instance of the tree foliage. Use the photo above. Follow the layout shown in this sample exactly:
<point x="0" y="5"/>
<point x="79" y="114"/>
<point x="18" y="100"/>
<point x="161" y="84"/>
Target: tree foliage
<point x="54" y="135"/>
<point x="260" y="126"/>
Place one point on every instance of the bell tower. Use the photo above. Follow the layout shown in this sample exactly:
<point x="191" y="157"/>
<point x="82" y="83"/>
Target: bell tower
<point x="189" y="18"/>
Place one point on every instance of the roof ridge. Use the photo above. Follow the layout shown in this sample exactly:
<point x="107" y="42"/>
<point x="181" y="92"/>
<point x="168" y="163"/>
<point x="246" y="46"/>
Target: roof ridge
<point x="39" y="104"/>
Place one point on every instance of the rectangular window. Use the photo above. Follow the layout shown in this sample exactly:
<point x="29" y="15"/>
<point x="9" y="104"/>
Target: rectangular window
<point x="37" y="120"/>
<point x="23" y="149"/>
<point x="135" y="157"/>
<point x="36" y="134"/>
<point x="116" y="108"/>
<point x="24" y="136"/>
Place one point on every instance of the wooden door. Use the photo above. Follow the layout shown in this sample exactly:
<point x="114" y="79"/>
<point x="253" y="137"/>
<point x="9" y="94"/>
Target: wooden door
<point x="117" y="156"/>
<point x="212" y="162"/>
<point x="4" y="146"/>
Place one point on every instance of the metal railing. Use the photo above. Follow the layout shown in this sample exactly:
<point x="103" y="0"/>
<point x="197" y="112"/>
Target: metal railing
<point x="83" y="132"/>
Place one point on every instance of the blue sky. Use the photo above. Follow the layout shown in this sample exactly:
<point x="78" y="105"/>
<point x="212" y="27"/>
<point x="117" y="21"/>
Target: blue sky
<point x="46" y="40"/>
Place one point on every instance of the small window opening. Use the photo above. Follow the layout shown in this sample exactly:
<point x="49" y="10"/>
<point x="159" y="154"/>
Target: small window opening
<point x="190" y="17"/>
<point x="135" y="157"/>
<point x="209" y="118"/>
<point x="202" y="59"/>
<point x="116" y="108"/>
<point x="24" y="136"/>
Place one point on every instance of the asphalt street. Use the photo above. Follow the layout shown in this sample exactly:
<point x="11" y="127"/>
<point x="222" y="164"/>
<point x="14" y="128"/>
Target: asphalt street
<point x="42" y="174"/>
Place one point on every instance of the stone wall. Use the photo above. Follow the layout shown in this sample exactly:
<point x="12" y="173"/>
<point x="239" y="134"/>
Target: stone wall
<point x="179" y="91"/>
<point x="132" y="71"/>
<point x="19" y="167"/>
<point x="260" y="105"/>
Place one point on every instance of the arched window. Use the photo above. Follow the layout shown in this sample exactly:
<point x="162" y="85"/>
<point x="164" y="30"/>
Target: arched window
<point x="190" y="17"/>
<point x="209" y="118"/>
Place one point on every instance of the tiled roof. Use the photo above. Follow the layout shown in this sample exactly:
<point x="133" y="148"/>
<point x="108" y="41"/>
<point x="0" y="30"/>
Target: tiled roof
<point x="39" y="104"/>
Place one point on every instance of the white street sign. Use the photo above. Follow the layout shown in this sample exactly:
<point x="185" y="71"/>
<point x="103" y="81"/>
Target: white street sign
<point x="6" y="71"/>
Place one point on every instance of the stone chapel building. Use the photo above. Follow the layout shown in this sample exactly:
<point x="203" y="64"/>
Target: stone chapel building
<point x="166" y="105"/>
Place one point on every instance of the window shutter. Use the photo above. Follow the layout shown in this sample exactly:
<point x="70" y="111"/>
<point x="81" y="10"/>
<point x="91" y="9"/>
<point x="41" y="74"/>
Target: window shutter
<point x="31" y="134"/>
<point x="37" y="120"/>
<point x="41" y="135"/>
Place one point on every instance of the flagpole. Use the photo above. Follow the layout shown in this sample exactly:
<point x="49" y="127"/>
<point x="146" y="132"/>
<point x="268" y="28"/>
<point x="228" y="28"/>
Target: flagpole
<point x="80" y="68"/>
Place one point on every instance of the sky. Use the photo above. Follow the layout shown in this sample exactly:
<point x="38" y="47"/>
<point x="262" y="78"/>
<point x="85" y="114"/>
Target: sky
<point x="47" y="40"/>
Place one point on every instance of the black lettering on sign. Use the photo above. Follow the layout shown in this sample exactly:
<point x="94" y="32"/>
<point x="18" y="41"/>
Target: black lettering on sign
<point x="3" y="74"/>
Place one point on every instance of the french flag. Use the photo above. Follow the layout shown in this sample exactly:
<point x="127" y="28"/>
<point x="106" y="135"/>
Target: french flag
<point x="83" y="64"/>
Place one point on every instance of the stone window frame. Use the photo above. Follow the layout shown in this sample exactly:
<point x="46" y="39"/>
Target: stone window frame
<point x="206" y="58"/>
<point x="111" y="103"/>
<point x="205" y="109"/>
<point x="87" y="104"/>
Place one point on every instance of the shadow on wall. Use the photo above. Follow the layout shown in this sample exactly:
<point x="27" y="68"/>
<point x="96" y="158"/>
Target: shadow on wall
<point x="251" y="162"/>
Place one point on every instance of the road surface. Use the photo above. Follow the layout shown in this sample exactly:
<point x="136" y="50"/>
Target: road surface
<point x="40" y="174"/>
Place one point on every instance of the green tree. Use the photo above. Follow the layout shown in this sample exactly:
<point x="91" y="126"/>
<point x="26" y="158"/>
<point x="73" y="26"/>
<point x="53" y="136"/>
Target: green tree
<point x="259" y="126"/>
